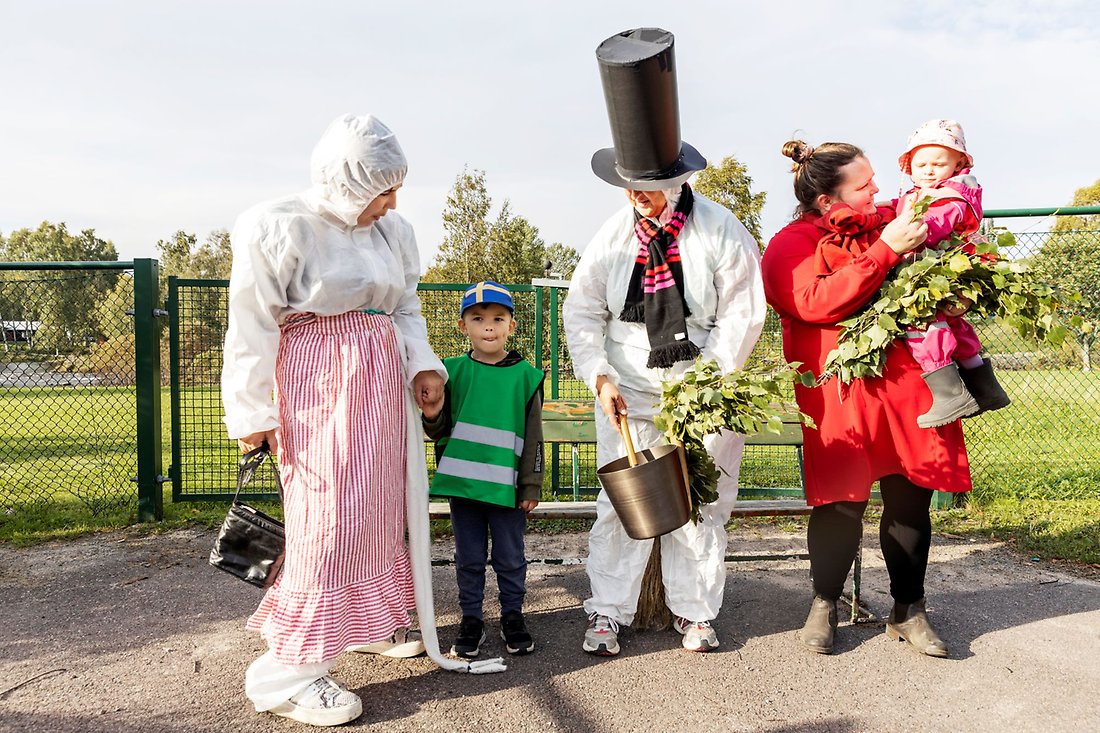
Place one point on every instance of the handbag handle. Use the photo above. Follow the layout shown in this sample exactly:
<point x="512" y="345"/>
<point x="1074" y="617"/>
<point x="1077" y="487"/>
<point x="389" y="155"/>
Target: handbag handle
<point x="247" y="466"/>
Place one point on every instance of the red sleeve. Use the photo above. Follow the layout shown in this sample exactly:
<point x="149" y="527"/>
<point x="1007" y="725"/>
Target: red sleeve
<point x="793" y="287"/>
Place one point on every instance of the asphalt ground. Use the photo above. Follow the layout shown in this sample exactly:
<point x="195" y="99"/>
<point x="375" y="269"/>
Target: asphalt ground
<point x="119" y="634"/>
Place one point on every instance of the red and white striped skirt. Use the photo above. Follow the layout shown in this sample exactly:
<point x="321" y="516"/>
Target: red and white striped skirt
<point x="346" y="578"/>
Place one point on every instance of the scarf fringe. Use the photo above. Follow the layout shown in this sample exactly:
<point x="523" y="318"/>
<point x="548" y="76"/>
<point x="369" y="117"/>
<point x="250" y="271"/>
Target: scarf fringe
<point x="663" y="357"/>
<point x="633" y="313"/>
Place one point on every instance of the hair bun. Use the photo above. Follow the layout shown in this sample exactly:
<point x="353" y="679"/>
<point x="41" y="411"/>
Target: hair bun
<point x="798" y="151"/>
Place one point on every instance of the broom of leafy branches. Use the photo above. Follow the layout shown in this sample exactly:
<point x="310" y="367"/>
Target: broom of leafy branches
<point x="945" y="276"/>
<point x="700" y="403"/>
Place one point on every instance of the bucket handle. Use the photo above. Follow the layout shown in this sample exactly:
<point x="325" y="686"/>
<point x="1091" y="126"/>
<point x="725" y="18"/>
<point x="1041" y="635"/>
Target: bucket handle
<point x="624" y="430"/>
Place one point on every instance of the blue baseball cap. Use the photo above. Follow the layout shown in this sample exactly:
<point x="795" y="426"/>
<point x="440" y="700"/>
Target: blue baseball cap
<point x="487" y="292"/>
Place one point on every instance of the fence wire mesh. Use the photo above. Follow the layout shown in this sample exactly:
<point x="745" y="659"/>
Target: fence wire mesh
<point x="67" y="403"/>
<point x="204" y="459"/>
<point x="67" y="425"/>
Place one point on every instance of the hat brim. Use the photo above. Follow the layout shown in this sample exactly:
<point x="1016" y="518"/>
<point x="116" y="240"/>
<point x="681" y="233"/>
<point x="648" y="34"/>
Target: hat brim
<point x="689" y="162"/>
<point x="905" y="159"/>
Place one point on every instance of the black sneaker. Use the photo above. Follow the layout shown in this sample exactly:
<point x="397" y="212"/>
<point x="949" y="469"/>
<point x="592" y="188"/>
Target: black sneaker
<point x="471" y="633"/>
<point x="517" y="639"/>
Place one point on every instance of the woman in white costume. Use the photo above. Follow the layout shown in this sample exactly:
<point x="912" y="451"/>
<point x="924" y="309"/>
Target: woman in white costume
<point x="324" y="314"/>
<point x="670" y="276"/>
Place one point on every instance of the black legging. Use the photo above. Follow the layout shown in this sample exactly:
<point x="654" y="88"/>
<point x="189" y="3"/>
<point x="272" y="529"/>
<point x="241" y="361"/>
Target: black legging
<point x="905" y="534"/>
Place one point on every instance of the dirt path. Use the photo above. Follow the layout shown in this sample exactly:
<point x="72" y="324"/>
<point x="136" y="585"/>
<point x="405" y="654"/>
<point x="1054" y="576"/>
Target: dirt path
<point x="121" y="634"/>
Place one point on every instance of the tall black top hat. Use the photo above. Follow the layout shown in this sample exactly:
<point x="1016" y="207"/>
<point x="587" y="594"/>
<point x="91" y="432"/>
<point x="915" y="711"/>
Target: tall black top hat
<point x="639" y="84"/>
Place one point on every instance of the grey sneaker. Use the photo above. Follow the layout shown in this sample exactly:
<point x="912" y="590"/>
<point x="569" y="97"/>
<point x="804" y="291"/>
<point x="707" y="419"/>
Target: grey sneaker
<point x="324" y="703"/>
<point x="698" y="635"/>
<point x="602" y="636"/>
<point x="403" y="644"/>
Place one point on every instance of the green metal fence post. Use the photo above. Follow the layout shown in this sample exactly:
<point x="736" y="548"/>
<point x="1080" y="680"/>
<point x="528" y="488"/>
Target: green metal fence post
<point x="147" y="360"/>
<point x="555" y="451"/>
<point x="540" y="323"/>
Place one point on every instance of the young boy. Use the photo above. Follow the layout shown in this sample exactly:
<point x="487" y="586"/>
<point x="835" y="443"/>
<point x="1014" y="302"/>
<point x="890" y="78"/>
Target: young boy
<point x="489" y="464"/>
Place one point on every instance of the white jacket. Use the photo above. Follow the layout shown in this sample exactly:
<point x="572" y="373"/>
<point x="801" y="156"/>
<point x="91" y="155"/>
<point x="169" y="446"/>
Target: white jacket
<point x="721" y="265"/>
<point x="304" y="254"/>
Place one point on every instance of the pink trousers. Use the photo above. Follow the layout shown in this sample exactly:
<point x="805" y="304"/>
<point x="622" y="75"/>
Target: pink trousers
<point x="951" y="338"/>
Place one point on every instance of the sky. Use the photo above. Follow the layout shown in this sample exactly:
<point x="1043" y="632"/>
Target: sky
<point x="139" y="119"/>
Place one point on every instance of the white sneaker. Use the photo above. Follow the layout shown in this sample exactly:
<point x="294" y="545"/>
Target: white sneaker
<point x="602" y="636"/>
<point x="403" y="644"/>
<point x="698" y="635"/>
<point x="324" y="703"/>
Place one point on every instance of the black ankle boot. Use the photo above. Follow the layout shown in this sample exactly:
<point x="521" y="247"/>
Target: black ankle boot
<point x="817" y="634"/>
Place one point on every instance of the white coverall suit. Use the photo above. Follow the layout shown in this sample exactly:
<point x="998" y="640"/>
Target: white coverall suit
<point x="725" y="296"/>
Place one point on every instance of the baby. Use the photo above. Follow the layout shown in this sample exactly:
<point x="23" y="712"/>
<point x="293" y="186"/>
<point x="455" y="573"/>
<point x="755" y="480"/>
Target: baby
<point x="948" y="350"/>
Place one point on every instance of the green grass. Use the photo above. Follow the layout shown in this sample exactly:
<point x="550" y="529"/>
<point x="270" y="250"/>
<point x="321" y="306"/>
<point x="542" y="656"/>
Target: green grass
<point x="66" y="460"/>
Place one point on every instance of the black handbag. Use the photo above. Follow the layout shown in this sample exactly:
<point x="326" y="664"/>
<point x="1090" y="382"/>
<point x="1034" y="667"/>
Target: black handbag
<point x="250" y="544"/>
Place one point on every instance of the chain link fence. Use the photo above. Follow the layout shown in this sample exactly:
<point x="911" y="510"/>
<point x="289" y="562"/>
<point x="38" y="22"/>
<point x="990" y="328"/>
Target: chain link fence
<point x="67" y="403"/>
<point x="67" y="394"/>
<point x="1046" y="444"/>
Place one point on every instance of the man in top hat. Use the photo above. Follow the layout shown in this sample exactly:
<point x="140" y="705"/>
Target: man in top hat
<point x="669" y="277"/>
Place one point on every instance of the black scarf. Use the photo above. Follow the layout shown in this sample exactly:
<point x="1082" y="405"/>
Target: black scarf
<point x="655" y="293"/>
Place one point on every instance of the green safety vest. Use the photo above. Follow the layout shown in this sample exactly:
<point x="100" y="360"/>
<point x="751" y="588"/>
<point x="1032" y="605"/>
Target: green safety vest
<point x="480" y="458"/>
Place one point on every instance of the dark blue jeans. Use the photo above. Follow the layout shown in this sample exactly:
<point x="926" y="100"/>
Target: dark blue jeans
<point x="473" y="523"/>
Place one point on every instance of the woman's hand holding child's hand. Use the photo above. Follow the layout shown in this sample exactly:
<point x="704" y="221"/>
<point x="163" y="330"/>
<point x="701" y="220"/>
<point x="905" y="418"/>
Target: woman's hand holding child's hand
<point x="428" y="392"/>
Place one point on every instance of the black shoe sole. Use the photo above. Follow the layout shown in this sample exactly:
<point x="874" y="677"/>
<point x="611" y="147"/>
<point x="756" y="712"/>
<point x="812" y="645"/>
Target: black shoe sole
<point x="470" y="654"/>
<point x="519" y="650"/>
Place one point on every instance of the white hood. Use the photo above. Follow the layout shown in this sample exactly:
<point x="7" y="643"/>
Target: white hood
<point x="356" y="159"/>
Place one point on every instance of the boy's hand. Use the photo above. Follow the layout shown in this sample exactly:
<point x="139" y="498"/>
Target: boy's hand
<point x="428" y="392"/>
<point x="431" y="412"/>
<point x="528" y="505"/>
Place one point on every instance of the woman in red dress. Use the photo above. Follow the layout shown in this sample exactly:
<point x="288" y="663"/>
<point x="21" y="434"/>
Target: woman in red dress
<point x="820" y="269"/>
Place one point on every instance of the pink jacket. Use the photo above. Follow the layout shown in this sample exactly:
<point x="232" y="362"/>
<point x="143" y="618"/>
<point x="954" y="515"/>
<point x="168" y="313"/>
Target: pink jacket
<point x="957" y="207"/>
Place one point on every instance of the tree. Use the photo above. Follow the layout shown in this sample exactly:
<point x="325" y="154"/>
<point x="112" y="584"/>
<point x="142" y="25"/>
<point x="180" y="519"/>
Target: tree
<point x="181" y="256"/>
<point x="53" y="243"/>
<point x="465" y="223"/>
<point x="65" y="304"/>
<point x="563" y="260"/>
<point x="507" y="249"/>
<point x="1070" y="258"/>
<point x="214" y="258"/>
<point x="730" y="185"/>
<point x="516" y="252"/>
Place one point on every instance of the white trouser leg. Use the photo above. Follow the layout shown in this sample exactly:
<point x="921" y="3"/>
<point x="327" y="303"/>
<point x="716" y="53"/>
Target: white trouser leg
<point x="269" y="683"/>
<point x="616" y="562"/>
<point x="693" y="558"/>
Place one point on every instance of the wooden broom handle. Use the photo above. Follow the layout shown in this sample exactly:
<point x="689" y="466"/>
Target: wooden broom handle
<point x="624" y="430"/>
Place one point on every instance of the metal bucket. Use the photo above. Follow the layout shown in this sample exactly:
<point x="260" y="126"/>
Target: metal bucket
<point x="650" y="498"/>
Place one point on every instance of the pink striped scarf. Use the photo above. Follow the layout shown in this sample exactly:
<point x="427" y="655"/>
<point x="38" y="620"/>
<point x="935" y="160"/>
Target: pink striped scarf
<point x="655" y="294"/>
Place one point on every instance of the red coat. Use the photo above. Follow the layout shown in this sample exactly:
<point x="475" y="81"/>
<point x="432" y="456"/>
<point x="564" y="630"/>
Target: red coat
<point x="870" y="430"/>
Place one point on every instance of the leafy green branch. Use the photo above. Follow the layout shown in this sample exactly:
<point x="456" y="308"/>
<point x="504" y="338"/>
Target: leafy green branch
<point x="942" y="277"/>
<point x="704" y="400"/>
